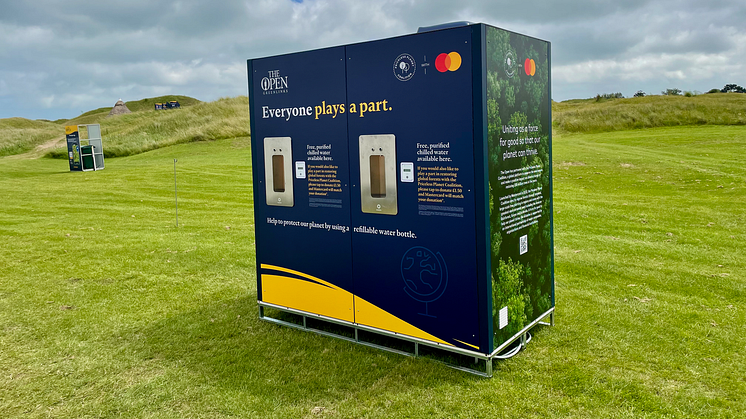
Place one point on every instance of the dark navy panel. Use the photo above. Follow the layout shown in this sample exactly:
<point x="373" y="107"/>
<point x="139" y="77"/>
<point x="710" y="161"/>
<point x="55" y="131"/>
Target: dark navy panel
<point x="73" y="152"/>
<point x="288" y="96"/>
<point x="420" y="264"/>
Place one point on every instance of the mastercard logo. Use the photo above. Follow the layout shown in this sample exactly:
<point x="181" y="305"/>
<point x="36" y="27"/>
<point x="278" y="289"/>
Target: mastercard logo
<point x="448" y="62"/>
<point x="530" y="67"/>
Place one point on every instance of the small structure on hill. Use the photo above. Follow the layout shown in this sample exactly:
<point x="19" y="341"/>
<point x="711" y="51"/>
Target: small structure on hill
<point x="84" y="147"/>
<point x="119" y="109"/>
<point x="167" y="105"/>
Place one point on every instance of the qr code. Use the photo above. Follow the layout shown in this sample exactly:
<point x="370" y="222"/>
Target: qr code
<point x="503" y="317"/>
<point x="523" y="246"/>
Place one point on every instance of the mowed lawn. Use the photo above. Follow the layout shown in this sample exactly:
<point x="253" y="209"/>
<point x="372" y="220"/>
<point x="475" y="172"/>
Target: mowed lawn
<point x="107" y="309"/>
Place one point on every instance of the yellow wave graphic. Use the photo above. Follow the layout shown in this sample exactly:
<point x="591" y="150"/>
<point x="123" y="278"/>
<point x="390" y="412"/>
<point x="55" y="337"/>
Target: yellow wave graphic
<point x="332" y="301"/>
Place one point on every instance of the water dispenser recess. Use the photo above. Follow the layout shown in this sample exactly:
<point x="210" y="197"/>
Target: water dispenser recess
<point x="278" y="173"/>
<point x="378" y="176"/>
<point x="378" y="193"/>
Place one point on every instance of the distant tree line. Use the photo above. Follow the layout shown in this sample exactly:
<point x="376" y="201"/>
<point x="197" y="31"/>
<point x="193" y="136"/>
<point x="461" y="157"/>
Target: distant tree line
<point x="728" y="88"/>
<point x="678" y="92"/>
<point x="603" y="96"/>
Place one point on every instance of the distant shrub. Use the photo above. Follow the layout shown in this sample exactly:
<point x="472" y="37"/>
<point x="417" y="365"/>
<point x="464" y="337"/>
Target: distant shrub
<point x="732" y="88"/>
<point x="688" y="94"/>
<point x="713" y="91"/>
<point x="640" y="93"/>
<point x="671" y="92"/>
<point x="606" y="96"/>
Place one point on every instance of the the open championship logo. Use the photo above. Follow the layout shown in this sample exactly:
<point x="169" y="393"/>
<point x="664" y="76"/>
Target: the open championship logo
<point x="274" y="83"/>
<point x="404" y="67"/>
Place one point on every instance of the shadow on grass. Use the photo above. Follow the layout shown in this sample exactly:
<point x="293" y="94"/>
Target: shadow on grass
<point x="227" y="345"/>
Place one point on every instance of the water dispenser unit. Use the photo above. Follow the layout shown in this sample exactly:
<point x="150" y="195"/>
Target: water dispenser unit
<point x="402" y="187"/>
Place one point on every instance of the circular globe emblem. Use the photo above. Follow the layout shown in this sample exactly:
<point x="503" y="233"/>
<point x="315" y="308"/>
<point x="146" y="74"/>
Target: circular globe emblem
<point x="510" y="64"/>
<point x="404" y="67"/>
<point x="424" y="273"/>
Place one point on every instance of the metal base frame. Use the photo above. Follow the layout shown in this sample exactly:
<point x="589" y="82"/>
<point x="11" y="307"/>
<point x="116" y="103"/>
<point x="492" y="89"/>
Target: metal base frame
<point x="523" y="335"/>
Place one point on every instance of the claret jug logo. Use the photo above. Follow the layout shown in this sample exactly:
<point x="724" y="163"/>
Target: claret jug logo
<point x="274" y="83"/>
<point x="404" y="67"/>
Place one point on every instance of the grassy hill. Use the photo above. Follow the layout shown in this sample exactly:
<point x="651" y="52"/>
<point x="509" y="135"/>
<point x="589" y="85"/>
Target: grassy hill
<point x="148" y="129"/>
<point x="96" y="116"/>
<point x="18" y="135"/>
<point x="649" y="112"/>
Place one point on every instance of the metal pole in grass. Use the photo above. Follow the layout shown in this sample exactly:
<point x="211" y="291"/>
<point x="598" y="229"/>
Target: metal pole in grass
<point x="176" y="195"/>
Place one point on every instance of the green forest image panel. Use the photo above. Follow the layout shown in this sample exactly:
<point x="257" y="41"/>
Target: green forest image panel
<point x="520" y="190"/>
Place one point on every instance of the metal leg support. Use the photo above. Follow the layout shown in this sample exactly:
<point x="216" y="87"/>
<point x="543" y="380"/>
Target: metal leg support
<point x="359" y="339"/>
<point x="551" y="320"/>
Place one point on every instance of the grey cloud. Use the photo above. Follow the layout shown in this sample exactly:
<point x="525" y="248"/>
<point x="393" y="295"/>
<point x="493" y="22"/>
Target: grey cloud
<point x="52" y="51"/>
<point x="708" y="41"/>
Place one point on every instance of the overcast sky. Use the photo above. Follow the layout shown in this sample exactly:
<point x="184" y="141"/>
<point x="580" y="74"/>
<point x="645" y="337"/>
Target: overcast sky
<point x="60" y="58"/>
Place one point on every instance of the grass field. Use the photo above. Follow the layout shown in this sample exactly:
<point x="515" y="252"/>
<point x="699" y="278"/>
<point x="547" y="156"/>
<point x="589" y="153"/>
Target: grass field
<point x="108" y="310"/>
